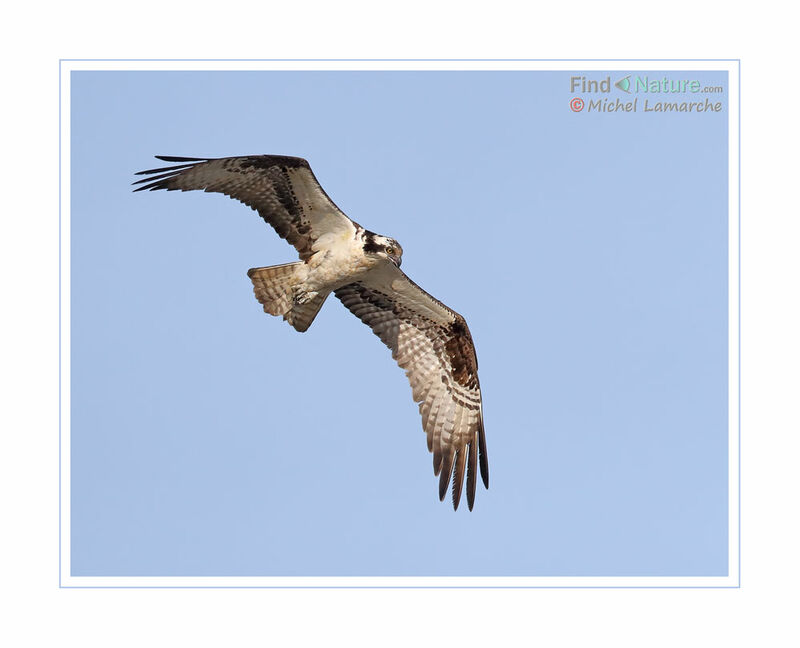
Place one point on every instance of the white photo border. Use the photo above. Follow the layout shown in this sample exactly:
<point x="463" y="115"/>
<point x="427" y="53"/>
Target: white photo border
<point x="732" y="580"/>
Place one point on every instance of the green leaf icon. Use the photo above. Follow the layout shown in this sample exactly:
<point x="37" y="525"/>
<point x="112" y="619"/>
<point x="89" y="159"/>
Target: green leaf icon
<point x="624" y="84"/>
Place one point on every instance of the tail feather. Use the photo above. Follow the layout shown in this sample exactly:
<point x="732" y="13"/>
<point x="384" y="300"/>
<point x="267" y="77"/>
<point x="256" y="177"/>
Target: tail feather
<point x="277" y="288"/>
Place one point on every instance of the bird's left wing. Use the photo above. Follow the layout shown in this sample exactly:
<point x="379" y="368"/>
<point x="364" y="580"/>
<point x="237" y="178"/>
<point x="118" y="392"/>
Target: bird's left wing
<point x="282" y="189"/>
<point x="434" y="346"/>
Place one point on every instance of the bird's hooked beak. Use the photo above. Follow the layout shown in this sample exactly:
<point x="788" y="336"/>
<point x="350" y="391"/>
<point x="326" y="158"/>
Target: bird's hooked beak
<point x="396" y="259"/>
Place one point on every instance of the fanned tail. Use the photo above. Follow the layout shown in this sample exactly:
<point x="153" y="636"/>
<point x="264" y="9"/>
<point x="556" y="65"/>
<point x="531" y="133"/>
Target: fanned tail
<point x="279" y="290"/>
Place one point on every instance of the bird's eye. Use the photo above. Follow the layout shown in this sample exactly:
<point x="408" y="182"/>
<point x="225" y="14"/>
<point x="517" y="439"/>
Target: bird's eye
<point x="390" y="250"/>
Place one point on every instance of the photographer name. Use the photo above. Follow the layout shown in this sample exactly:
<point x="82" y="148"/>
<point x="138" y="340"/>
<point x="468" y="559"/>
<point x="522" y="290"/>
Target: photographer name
<point x="617" y="105"/>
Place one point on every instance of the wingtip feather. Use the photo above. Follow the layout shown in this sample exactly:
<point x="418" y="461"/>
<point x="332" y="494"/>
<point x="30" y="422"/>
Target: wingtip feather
<point x="458" y="476"/>
<point x="444" y="476"/>
<point x="472" y="468"/>
<point x="437" y="462"/>
<point x="484" y="461"/>
<point x="178" y="158"/>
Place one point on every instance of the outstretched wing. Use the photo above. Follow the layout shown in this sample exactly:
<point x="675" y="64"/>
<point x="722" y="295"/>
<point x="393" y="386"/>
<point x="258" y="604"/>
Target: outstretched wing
<point x="282" y="189"/>
<point x="433" y="344"/>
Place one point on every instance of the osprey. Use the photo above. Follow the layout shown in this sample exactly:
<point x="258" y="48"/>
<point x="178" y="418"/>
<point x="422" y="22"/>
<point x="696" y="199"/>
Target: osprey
<point x="428" y="340"/>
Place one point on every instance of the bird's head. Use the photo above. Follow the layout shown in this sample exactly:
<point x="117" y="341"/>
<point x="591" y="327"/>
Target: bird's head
<point x="383" y="247"/>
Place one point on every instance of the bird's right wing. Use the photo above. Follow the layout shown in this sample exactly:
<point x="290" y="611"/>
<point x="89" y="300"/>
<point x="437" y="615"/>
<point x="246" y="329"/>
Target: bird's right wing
<point x="282" y="189"/>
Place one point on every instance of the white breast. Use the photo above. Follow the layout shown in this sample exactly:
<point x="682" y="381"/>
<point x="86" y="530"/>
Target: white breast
<point x="339" y="259"/>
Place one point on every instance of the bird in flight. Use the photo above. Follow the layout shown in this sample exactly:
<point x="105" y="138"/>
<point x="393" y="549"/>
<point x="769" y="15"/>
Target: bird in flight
<point x="430" y="341"/>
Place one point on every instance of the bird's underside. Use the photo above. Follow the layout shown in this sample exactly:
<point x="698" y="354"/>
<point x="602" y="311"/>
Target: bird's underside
<point x="431" y="342"/>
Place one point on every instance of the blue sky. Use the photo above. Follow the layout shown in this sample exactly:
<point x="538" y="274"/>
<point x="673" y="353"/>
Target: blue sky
<point x="588" y="253"/>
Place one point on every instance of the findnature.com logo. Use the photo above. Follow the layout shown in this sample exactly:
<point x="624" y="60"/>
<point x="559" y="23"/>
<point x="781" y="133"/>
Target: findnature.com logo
<point x="642" y="84"/>
<point x="646" y="84"/>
